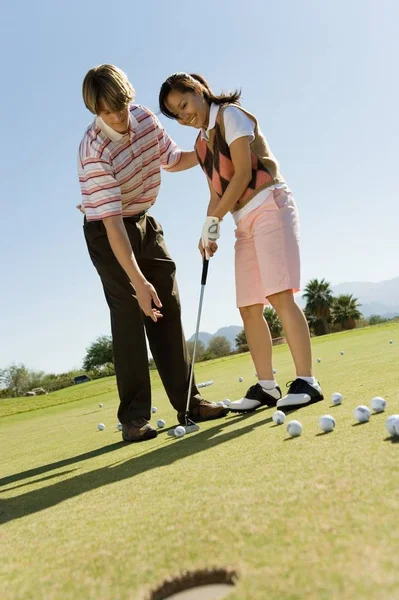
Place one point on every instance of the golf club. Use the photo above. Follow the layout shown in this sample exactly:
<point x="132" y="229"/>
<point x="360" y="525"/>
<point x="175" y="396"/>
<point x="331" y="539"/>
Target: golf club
<point x="189" y="425"/>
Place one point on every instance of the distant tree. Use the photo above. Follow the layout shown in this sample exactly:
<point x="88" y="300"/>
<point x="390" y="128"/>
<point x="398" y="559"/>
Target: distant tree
<point x="36" y="379"/>
<point x="376" y="319"/>
<point x="319" y="300"/>
<point x="199" y="351"/>
<point x="218" y="346"/>
<point x="99" y="353"/>
<point x="241" y="341"/>
<point x="345" y="311"/>
<point x="273" y="321"/>
<point x="16" y="379"/>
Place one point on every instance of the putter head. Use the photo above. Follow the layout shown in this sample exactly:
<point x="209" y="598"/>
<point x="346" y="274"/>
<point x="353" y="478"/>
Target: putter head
<point x="189" y="426"/>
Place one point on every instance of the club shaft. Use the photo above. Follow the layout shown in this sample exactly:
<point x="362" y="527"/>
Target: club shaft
<point x="195" y="346"/>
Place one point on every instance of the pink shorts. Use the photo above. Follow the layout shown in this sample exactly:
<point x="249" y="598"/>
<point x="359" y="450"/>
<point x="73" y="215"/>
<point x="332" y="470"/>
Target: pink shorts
<point x="267" y="257"/>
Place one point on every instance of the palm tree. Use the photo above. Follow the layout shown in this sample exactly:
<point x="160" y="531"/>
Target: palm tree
<point x="241" y="341"/>
<point x="345" y="311"/>
<point x="276" y="329"/>
<point x="319" y="300"/>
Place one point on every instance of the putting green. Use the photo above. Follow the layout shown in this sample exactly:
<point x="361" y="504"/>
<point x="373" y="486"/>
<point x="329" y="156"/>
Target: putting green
<point x="85" y="516"/>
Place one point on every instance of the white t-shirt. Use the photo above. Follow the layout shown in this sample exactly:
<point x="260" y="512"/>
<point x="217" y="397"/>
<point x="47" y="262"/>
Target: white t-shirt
<point x="236" y="125"/>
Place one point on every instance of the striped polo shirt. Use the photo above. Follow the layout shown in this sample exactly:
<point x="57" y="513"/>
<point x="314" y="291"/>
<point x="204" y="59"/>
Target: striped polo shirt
<point x="120" y="174"/>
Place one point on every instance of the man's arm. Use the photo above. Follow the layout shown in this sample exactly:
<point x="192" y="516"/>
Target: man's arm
<point x="121" y="247"/>
<point x="187" y="160"/>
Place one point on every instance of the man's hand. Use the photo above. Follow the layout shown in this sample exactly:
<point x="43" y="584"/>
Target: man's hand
<point x="146" y="295"/>
<point x="210" y="233"/>
<point x="81" y="208"/>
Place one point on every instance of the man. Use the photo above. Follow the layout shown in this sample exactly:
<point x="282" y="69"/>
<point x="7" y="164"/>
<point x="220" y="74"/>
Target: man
<point x="119" y="164"/>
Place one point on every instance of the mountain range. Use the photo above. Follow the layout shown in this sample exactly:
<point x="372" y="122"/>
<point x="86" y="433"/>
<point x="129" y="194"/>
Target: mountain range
<point x="380" y="298"/>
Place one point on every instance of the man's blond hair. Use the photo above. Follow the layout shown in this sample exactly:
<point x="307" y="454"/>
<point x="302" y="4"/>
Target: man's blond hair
<point x="107" y="83"/>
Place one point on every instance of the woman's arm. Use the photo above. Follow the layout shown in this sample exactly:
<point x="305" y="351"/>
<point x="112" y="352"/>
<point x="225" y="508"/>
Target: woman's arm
<point x="186" y="161"/>
<point x="241" y="157"/>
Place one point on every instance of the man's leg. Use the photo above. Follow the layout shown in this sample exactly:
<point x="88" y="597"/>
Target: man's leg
<point x="166" y="336"/>
<point x="129" y="346"/>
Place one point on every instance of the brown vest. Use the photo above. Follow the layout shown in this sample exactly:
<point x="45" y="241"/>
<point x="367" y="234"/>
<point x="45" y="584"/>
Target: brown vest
<point x="215" y="160"/>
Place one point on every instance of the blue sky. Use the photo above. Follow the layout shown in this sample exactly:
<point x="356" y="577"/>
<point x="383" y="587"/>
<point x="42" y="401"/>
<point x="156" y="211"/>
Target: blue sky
<point x="320" y="76"/>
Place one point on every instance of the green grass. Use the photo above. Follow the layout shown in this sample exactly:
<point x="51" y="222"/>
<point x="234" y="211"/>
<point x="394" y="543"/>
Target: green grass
<point x="85" y="516"/>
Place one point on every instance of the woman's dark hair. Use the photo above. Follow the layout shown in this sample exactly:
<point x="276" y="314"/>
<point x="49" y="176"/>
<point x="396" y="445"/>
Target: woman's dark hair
<point x="185" y="82"/>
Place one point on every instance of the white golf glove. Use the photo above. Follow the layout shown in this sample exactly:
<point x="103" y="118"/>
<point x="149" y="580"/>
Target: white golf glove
<point x="210" y="231"/>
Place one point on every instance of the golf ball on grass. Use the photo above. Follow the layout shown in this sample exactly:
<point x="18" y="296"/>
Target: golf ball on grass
<point x="154" y="409"/>
<point x="278" y="417"/>
<point x="378" y="404"/>
<point x="336" y="398"/>
<point x="362" y="413"/>
<point x="101" y="426"/>
<point x="241" y="379"/>
<point x="294" y="428"/>
<point x="161" y="423"/>
<point x="319" y="360"/>
<point x="342" y="353"/>
<point x="180" y="431"/>
<point x="392" y="425"/>
<point x="327" y="423"/>
<point x="119" y="426"/>
<point x="390" y="341"/>
<point x="100" y="406"/>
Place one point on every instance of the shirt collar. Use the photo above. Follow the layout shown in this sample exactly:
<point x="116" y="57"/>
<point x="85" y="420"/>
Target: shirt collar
<point x="113" y="135"/>
<point x="213" y="113"/>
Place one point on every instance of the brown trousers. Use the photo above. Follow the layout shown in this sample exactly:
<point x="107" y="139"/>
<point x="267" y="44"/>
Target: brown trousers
<point x="129" y="324"/>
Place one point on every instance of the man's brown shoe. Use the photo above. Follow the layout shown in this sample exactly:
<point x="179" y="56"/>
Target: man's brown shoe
<point x="204" y="411"/>
<point x="138" y="430"/>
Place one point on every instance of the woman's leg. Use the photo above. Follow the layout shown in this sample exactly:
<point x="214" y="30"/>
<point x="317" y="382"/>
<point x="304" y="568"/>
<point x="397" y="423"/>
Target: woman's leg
<point x="266" y="392"/>
<point x="258" y="339"/>
<point x="296" y="330"/>
<point x="305" y="389"/>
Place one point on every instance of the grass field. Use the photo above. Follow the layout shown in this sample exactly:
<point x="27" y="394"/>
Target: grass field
<point x="85" y="516"/>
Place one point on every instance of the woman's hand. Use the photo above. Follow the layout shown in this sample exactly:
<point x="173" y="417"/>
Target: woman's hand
<point x="211" y="249"/>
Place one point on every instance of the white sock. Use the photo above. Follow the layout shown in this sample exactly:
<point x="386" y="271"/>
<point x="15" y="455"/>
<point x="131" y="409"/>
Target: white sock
<point x="267" y="384"/>
<point x="311" y="380"/>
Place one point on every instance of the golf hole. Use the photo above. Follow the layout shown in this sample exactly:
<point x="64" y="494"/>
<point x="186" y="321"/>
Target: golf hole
<point x="209" y="584"/>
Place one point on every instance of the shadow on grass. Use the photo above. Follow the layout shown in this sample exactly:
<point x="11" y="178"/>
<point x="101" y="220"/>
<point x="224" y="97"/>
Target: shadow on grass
<point x="16" y="487"/>
<point x="46" y="497"/>
<point x="392" y="439"/>
<point x="61" y="463"/>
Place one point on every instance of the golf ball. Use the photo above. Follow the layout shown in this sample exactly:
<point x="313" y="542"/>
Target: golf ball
<point x="161" y="423"/>
<point x="226" y="402"/>
<point x="326" y="423"/>
<point x="100" y="406"/>
<point x="319" y="360"/>
<point x="362" y="413"/>
<point x="119" y="426"/>
<point x="342" y="352"/>
<point x="101" y="426"/>
<point x="180" y="431"/>
<point x="294" y="428"/>
<point x="378" y="404"/>
<point x="278" y="417"/>
<point x="392" y="425"/>
<point x="274" y="371"/>
<point x="336" y="398"/>
<point x="154" y="409"/>
<point x="241" y="379"/>
<point x="390" y="341"/>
